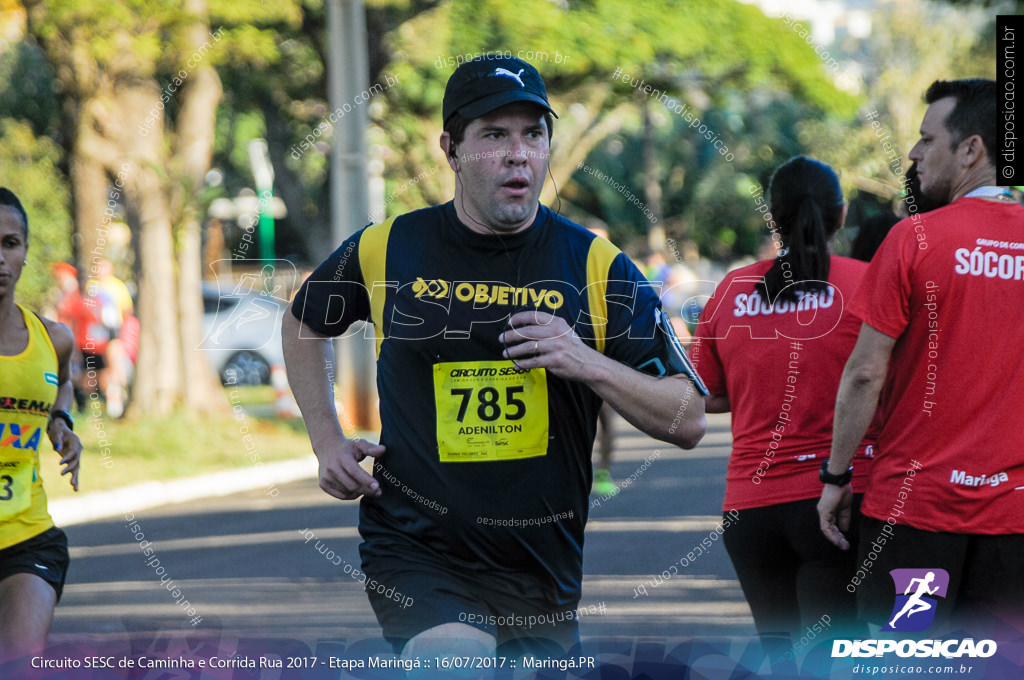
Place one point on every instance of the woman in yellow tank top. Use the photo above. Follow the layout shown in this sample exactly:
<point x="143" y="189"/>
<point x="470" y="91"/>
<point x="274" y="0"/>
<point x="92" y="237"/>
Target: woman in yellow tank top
<point x="35" y="391"/>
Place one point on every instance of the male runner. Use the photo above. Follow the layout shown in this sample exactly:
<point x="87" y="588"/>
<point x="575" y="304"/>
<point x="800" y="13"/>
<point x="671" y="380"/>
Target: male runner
<point x="940" y="344"/>
<point x="500" y="328"/>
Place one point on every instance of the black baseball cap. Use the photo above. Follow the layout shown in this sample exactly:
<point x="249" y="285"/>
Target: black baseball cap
<point x="486" y="83"/>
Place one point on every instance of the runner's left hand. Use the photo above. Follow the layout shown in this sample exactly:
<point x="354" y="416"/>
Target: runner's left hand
<point x="541" y="340"/>
<point x="69" y="446"/>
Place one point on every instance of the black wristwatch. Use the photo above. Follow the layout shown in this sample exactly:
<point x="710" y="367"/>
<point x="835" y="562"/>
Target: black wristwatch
<point x="65" y="416"/>
<point x="827" y="477"/>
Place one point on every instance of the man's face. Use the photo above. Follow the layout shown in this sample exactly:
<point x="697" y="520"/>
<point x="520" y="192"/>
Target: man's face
<point x="937" y="166"/>
<point x="501" y="163"/>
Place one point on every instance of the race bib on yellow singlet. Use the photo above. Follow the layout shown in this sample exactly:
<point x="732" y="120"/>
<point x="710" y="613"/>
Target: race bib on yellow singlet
<point x="15" y="486"/>
<point x="490" y="410"/>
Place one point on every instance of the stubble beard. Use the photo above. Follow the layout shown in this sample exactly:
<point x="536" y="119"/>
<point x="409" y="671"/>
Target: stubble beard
<point x="511" y="216"/>
<point x="938" y="192"/>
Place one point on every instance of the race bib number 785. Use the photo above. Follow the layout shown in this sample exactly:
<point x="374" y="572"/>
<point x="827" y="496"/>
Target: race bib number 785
<point x="489" y="411"/>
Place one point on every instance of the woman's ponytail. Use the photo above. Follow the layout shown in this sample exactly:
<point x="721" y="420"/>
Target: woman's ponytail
<point x="807" y="207"/>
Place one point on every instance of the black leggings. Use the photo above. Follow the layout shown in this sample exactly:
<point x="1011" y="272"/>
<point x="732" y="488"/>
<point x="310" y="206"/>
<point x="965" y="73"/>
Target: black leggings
<point x="791" y="575"/>
<point x="986" y="573"/>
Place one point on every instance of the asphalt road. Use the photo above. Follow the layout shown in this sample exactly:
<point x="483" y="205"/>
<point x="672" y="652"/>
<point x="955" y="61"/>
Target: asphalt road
<point x="242" y="563"/>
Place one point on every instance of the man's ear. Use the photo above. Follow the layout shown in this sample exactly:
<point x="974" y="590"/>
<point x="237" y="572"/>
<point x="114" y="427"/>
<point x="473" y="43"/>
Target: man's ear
<point x="449" y="151"/>
<point x="972" y="150"/>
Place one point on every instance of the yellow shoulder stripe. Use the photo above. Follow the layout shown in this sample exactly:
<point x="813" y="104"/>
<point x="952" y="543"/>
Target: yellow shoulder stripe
<point x="599" y="262"/>
<point x="373" y="251"/>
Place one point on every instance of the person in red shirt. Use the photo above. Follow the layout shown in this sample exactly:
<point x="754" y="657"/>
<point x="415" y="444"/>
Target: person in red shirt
<point x="84" y="315"/>
<point x="771" y="345"/>
<point x="78" y="312"/>
<point x="939" y="350"/>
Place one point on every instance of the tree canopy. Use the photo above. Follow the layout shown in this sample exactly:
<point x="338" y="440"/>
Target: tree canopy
<point x="671" y="114"/>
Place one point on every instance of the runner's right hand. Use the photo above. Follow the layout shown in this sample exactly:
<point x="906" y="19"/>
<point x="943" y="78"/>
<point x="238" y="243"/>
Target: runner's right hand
<point x="340" y="473"/>
<point x="834" y="510"/>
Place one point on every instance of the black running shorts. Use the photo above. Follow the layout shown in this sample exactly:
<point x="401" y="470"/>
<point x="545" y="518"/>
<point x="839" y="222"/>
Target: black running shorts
<point x="410" y="597"/>
<point x="45" y="555"/>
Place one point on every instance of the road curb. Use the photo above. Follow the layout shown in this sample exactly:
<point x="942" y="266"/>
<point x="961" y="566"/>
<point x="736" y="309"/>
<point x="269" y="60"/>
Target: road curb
<point x="116" y="502"/>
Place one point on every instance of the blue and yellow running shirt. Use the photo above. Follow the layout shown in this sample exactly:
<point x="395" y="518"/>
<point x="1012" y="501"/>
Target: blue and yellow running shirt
<point x="28" y="388"/>
<point x="487" y="467"/>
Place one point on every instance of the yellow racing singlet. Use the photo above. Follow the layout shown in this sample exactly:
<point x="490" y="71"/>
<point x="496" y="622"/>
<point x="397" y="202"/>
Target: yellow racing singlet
<point x="28" y="388"/>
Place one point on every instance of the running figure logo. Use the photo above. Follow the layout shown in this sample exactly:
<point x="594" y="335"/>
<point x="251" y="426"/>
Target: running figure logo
<point x="915" y="611"/>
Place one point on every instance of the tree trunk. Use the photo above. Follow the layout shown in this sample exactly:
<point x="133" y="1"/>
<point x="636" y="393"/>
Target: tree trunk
<point x="193" y="147"/>
<point x="89" y="189"/>
<point x="158" y="386"/>
<point x="116" y="133"/>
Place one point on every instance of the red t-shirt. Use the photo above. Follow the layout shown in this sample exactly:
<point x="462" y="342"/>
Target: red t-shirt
<point x="82" y="316"/>
<point x="780" y="368"/>
<point x="949" y="285"/>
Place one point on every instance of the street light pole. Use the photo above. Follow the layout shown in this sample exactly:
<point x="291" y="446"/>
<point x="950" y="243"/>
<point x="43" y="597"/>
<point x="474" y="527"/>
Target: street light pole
<point x="263" y="173"/>
<point x="347" y="77"/>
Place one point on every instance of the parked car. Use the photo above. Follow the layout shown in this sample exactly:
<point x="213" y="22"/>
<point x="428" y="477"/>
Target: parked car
<point x="242" y="333"/>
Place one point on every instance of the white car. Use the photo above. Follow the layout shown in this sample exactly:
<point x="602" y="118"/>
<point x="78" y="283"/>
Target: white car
<point x="242" y="332"/>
